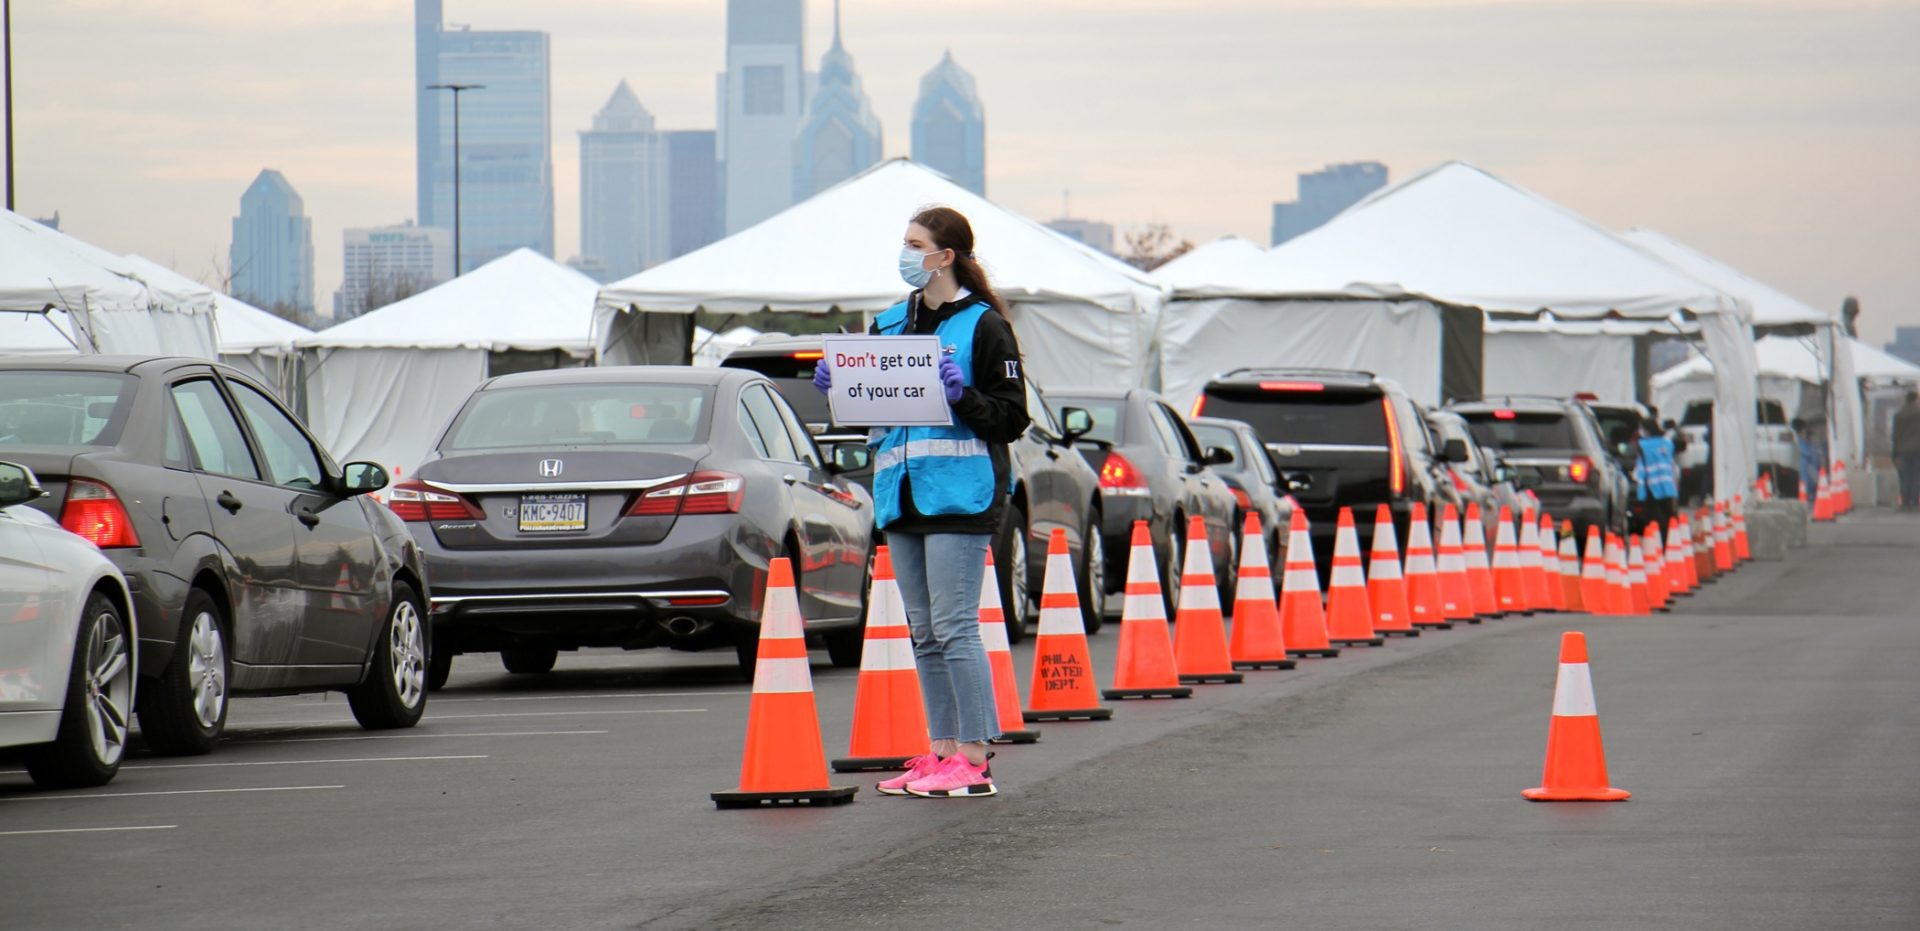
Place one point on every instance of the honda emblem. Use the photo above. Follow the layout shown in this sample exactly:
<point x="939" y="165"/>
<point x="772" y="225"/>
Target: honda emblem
<point x="550" y="468"/>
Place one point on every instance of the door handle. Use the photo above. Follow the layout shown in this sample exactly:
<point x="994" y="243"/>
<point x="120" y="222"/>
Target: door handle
<point x="307" y="517"/>
<point x="228" y="501"/>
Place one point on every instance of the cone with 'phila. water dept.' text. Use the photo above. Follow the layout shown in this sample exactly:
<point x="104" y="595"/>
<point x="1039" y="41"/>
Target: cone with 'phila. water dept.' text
<point x="784" y="762"/>
<point x="1006" y="687"/>
<point x="1199" y="630"/>
<point x="1349" y="612"/>
<point x="1576" y="767"/>
<point x="1144" y="667"/>
<point x="1303" y="617"/>
<point x="1258" y="640"/>
<point x="1386" y="586"/>
<point x="889" y="719"/>
<point x="1063" y="687"/>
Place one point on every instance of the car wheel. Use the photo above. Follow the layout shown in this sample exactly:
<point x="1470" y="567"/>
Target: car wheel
<point x="439" y="668"/>
<point x="747" y="654"/>
<point x="1229" y="574"/>
<point x="1016" y="592"/>
<point x="528" y="660"/>
<point x="844" y="647"/>
<point x="94" y="720"/>
<point x="185" y="710"/>
<point x="1093" y="578"/>
<point x="394" y="692"/>
<point x="1170" y="573"/>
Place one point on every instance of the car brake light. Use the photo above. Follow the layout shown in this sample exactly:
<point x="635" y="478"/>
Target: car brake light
<point x="810" y="355"/>
<point x="1579" y="469"/>
<point x="1586" y="396"/>
<point x="94" y="513"/>
<point x="1240" y="495"/>
<point x="416" y="501"/>
<point x="1503" y="415"/>
<point x="1292" y="386"/>
<point x="1396" y="476"/>
<point x="707" y="492"/>
<point x="1199" y="404"/>
<point x="1119" y="476"/>
<point x="697" y="601"/>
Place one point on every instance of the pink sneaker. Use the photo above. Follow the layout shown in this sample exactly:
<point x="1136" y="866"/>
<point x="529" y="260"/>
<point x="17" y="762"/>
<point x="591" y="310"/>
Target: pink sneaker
<point x="956" y="778"/>
<point x="920" y="767"/>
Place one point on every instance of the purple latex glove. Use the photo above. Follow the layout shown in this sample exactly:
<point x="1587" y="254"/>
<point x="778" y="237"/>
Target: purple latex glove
<point x="822" y="377"/>
<point x="951" y="378"/>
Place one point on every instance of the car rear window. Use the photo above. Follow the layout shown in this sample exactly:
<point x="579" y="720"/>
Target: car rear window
<point x="63" y="408"/>
<point x="583" y="415"/>
<point x="1698" y="414"/>
<point x="1521" y="430"/>
<point x="1615" y="419"/>
<point x="1106" y="414"/>
<point x="794" y="377"/>
<point x="1308" y="418"/>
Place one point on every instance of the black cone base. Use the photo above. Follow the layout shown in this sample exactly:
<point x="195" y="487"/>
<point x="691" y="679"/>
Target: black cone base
<point x="1401" y="633"/>
<point x="1263" y="664"/>
<point x="1433" y="625"/>
<point x="1362" y="642"/>
<point x="1171" y="691"/>
<point x="871" y="764"/>
<point x="1078" y="714"/>
<point x="833" y="795"/>
<point x="1221" y="678"/>
<point x="1329" y="652"/>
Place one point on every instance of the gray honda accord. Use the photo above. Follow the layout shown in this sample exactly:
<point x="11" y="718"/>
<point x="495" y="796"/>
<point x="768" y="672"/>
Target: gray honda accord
<point x="634" y="507"/>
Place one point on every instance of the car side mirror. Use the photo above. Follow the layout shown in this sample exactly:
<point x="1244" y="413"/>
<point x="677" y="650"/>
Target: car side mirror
<point x="1622" y="450"/>
<point x="849" y="457"/>
<point x="1219" y="455"/>
<point x="1075" y="422"/>
<point x="359" y="478"/>
<point x="18" y="485"/>
<point x="1454" y="450"/>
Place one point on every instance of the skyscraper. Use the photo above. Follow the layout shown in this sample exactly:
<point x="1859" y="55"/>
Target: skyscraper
<point x="382" y="264"/>
<point x="506" y="147"/>
<point x="760" y="98"/>
<point x="623" y="188"/>
<point x="950" y="126"/>
<point x="840" y="136"/>
<point x="271" y="260"/>
<point x="1325" y="193"/>
<point x="693" y="199"/>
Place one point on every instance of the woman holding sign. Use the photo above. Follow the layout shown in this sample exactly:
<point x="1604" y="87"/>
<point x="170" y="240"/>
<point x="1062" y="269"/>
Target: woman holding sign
<point x="940" y="492"/>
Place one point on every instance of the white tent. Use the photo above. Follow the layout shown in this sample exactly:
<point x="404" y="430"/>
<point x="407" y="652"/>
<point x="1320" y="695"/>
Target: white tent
<point x="1786" y="362"/>
<point x="381" y="386"/>
<point x="1398" y="284"/>
<point x="1081" y="316"/>
<point x="1209" y="262"/>
<point x="251" y="339"/>
<point x="1561" y="357"/>
<point x="89" y="298"/>
<point x="710" y="348"/>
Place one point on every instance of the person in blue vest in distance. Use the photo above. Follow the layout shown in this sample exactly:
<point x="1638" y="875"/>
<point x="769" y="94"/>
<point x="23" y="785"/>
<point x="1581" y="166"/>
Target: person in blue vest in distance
<point x="940" y="492"/>
<point x="1656" y="477"/>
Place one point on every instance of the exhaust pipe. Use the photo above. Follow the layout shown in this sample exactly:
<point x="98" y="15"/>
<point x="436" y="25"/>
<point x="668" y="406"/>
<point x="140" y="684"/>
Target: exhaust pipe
<point x="682" y="626"/>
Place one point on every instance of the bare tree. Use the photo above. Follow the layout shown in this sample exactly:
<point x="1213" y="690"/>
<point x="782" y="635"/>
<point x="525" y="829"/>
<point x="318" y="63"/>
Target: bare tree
<point x="1151" y="246"/>
<point x="382" y="288"/>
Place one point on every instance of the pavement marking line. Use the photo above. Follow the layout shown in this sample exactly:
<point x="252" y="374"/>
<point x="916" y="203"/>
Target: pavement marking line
<point x="137" y="827"/>
<point x="308" y="740"/>
<point x="55" y="798"/>
<point x="562" y="696"/>
<point x="359" y="759"/>
<point x="562" y="714"/>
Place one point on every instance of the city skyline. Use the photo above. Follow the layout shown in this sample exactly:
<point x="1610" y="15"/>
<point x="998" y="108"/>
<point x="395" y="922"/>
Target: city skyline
<point x="270" y="260"/>
<point x="1785" y="152"/>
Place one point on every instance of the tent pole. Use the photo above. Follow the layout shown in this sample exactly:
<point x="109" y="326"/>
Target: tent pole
<point x="6" y="53"/>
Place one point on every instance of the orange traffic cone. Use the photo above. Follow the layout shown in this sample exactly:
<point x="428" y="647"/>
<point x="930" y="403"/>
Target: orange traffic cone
<point x="1063" y="687"/>
<point x="1479" y="569"/>
<point x="784" y="761"/>
<point x="1703" y="546"/>
<point x="889" y="719"/>
<point x="1576" y="767"/>
<point x="1722" y="539"/>
<point x="1593" y="575"/>
<point x="1006" y="687"/>
<point x="1386" y="587"/>
<point x="1349" y="612"/>
<point x="1823" y="499"/>
<point x="1532" y="572"/>
<point x="1619" y="586"/>
<point x="1509" y="582"/>
<point x="1656" y="569"/>
<point x="1199" y="632"/>
<point x="1303" y="619"/>
<point x="1842" y="492"/>
<point x="1742" y="551"/>
<point x="1550" y="565"/>
<point x="1679" y="576"/>
<point x="1570" y="570"/>
<point x="1639" y="600"/>
<point x="1258" y="642"/>
<point x="1424" y="600"/>
<point x="1144" y="667"/>
<point x="1456" y="590"/>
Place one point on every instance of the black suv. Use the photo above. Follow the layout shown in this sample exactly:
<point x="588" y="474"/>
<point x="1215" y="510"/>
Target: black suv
<point x="1051" y="488"/>
<point x="1339" y="439"/>
<point x="1555" y="448"/>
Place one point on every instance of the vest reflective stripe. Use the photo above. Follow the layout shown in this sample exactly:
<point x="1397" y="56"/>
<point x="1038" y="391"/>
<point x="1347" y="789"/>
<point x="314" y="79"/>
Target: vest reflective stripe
<point x="948" y="469"/>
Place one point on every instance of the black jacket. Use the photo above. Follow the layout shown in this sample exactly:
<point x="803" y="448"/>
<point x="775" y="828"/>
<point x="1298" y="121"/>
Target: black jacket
<point x="994" y="407"/>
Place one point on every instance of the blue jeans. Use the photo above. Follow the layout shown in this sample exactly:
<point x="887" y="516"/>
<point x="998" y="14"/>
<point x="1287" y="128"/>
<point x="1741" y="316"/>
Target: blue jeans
<point x="940" y="576"/>
<point x="1909" y="466"/>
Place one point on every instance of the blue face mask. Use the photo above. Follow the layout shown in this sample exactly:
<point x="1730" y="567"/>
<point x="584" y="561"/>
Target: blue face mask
<point x="912" y="269"/>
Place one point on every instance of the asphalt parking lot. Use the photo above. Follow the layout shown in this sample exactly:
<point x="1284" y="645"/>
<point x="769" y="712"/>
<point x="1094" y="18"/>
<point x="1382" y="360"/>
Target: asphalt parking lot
<point x="1767" y="729"/>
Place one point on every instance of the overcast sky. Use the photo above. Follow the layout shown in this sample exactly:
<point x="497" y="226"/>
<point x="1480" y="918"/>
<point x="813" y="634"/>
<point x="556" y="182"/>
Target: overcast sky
<point x="1781" y="137"/>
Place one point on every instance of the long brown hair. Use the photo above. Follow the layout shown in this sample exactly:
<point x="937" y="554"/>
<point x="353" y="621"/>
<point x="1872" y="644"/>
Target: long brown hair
<point x="951" y="230"/>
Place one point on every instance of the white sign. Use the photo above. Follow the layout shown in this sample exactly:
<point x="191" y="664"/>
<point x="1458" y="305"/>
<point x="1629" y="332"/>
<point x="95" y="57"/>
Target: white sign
<point x="886" y="381"/>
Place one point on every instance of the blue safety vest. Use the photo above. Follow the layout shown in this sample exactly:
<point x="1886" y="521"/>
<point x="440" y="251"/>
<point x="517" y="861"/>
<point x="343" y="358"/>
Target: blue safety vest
<point x="950" y="471"/>
<point x="1656" y="475"/>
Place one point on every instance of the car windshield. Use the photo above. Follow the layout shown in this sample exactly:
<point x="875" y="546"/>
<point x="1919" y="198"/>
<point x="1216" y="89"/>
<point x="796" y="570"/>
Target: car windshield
<point x="583" y="415"/>
<point x="1106" y="414"/>
<point x="1521" y="430"/>
<point x="794" y="377"/>
<point x="63" y="408"/>
<point x="1307" y="418"/>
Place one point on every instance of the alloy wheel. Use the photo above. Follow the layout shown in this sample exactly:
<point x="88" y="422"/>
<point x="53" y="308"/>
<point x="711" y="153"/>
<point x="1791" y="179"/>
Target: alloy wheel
<point x="406" y="647"/>
<point x="109" y="687"/>
<point x="1096" y="572"/>
<point x="207" y="669"/>
<point x="1017" y="584"/>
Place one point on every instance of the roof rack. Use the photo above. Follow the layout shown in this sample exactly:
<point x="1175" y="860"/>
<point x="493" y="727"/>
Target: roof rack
<point x="1492" y="398"/>
<point x="1293" y="370"/>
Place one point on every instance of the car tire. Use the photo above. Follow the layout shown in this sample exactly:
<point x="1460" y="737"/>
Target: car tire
<point x="95" y="719"/>
<point x="439" y="668"/>
<point x="747" y="654"/>
<point x="1228" y="576"/>
<point x="1093" y="577"/>
<point x="393" y="693"/>
<point x="1170" y="571"/>
<point x="1010" y="562"/>
<point x="528" y="661"/>
<point x="184" y="711"/>
<point x="845" y="646"/>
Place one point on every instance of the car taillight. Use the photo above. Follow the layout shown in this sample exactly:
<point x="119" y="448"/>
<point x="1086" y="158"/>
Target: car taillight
<point x="707" y="492"/>
<point x="416" y="501"/>
<point x="1504" y="415"/>
<point x="1579" y="469"/>
<point x="1292" y="386"/>
<point x="1119" y="476"/>
<point x="1241" y="496"/>
<point x="809" y="355"/>
<point x="94" y="513"/>
<point x="1396" y="475"/>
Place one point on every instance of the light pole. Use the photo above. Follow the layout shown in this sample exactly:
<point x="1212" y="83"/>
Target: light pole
<point x="456" y="89"/>
<point x="6" y="52"/>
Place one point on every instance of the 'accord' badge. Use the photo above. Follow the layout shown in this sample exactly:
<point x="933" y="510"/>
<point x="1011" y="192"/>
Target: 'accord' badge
<point x="550" y="468"/>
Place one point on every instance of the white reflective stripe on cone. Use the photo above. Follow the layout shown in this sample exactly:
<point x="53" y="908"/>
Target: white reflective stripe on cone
<point x="1420" y="564"/>
<point x="1058" y="621"/>
<point x="889" y="654"/>
<point x="1255" y="586"/>
<point x="1301" y="580"/>
<point x="776" y="675"/>
<point x="1199" y="594"/>
<point x="886" y="610"/>
<point x="1144" y="608"/>
<point x="1573" y="692"/>
<point x="1349" y="575"/>
<point x="1385" y="569"/>
<point x="994" y="637"/>
<point x="1140" y="566"/>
